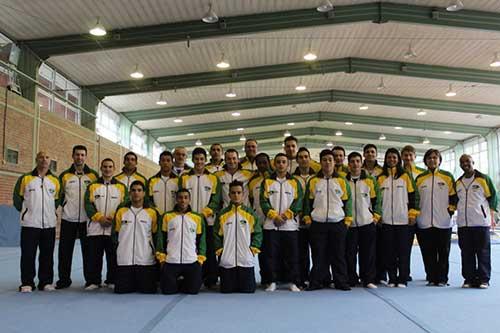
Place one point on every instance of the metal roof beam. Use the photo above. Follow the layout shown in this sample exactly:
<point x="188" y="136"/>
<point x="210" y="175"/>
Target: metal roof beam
<point x="350" y="65"/>
<point x="378" y="12"/>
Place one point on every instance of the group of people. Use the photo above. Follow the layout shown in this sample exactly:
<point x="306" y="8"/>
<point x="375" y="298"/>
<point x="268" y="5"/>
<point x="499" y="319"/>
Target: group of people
<point x="189" y="226"/>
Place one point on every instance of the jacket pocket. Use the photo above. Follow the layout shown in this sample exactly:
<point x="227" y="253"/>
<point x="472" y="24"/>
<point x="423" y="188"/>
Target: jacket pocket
<point x="24" y="214"/>
<point x="484" y="213"/>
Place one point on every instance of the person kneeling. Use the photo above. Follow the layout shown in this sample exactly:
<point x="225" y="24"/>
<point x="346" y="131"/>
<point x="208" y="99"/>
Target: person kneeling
<point x="237" y="238"/>
<point x="184" y="235"/>
<point x="134" y="230"/>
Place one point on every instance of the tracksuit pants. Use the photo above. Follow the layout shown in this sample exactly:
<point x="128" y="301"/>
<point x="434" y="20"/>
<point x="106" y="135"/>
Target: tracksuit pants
<point x="282" y="246"/>
<point x="381" y="274"/>
<point x="395" y="238"/>
<point x="184" y="278"/>
<point x="328" y="245"/>
<point x="475" y="249"/>
<point x="435" y="247"/>
<point x="237" y="280"/>
<point x="135" y="278"/>
<point x="412" y="230"/>
<point x="96" y="247"/>
<point x="33" y="239"/>
<point x="361" y="240"/>
<point x="304" y="255"/>
<point x="209" y="268"/>
<point x="70" y="231"/>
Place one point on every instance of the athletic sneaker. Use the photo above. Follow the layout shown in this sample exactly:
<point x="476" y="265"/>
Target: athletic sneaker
<point x="441" y="284"/>
<point x="430" y="284"/>
<point x="466" y="285"/>
<point x="110" y="286"/>
<point x="25" y="289"/>
<point x="391" y="285"/>
<point x="332" y="285"/>
<point x="91" y="287"/>
<point x="401" y="285"/>
<point x="271" y="287"/>
<point x="484" y="285"/>
<point x="293" y="287"/>
<point x="371" y="286"/>
<point x="49" y="287"/>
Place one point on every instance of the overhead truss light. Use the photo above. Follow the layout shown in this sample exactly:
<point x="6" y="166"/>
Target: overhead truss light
<point x="455" y="6"/>
<point x="496" y="61"/>
<point x="178" y="120"/>
<point x="231" y="93"/>
<point x="287" y="133"/>
<point x="223" y="63"/>
<point x="300" y="86"/>
<point x="421" y="113"/>
<point x="381" y="137"/>
<point x="325" y="6"/>
<point x="451" y="92"/>
<point x="381" y="85"/>
<point x="235" y="114"/>
<point x="210" y="16"/>
<point x="363" y="107"/>
<point x="329" y="144"/>
<point x="161" y="100"/>
<point x="136" y="74"/>
<point x="198" y="142"/>
<point x="338" y="133"/>
<point x="426" y="141"/>
<point x="410" y="53"/>
<point x="242" y="138"/>
<point x="98" y="29"/>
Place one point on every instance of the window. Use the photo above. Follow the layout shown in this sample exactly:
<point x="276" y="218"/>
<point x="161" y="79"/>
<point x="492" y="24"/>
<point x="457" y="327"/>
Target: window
<point x="478" y="149"/>
<point x="58" y="94"/>
<point x="12" y="156"/>
<point x="138" y="142"/>
<point x="108" y="123"/>
<point x="157" y="150"/>
<point x="448" y="163"/>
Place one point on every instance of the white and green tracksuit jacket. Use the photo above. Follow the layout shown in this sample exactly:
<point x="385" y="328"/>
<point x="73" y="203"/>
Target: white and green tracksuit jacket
<point x="162" y="191"/>
<point x="366" y="199"/>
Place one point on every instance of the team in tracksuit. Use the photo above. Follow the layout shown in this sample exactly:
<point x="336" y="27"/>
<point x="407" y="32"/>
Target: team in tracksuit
<point x="74" y="219"/>
<point x="362" y="234"/>
<point x="147" y="230"/>
<point x="102" y="199"/>
<point x="237" y="238"/>
<point x="181" y="247"/>
<point x="477" y="200"/>
<point x="437" y="203"/>
<point x="281" y="202"/>
<point x="205" y="190"/>
<point x="36" y="197"/>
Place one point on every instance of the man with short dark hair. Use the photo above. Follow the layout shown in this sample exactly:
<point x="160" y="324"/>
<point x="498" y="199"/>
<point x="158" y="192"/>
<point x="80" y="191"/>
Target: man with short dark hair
<point x="74" y="182"/>
<point x="216" y="160"/>
<point x="338" y="158"/>
<point x="232" y="171"/>
<point x="248" y="162"/>
<point x="370" y="163"/>
<point x="129" y="172"/>
<point x="163" y="186"/>
<point x="290" y="147"/>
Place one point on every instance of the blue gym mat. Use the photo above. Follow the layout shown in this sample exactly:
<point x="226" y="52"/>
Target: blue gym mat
<point x="414" y="309"/>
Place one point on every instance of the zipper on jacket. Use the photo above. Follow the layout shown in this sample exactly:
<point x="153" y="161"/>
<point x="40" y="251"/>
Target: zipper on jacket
<point x="105" y="206"/>
<point x="327" y="197"/>
<point x="165" y="195"/>
<point x="466" y="199"/>
<point x="392" y="200"/>
<point x="133" y="239"/>
<point x="432" y="201"/>
<point x="281" y="197"/>
<point x="43" y="203"/>
<point x="355" y="202"/>
<point x="79" y="197"/>
<point x="198" y="194"/>
<point x="182" y="236"/>
<point x="236" y="237"/>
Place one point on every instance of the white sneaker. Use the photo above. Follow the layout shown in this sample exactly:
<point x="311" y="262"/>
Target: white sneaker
<point x="26" y="289"/>
<point x="271" y="287"/>
<point x="391" y="285"/>
<point x="371" y="286"/>
<point x="401" y="285"/>
<point x="466" y="285"/>
<point x="49" y="287"/>
<point x="442" y="284"/>
<point x="484" y="285"/>
<point x="332" y="285"/>
<point x="293" y="287"/>
<point x="91" y="287"/>
<point x="110" y="286"/>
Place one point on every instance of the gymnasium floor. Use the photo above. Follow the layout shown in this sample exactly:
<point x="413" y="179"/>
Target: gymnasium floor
<point x="415" y="309"/>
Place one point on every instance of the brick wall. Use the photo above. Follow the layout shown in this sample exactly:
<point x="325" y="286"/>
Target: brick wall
<point x="51" y="133"/>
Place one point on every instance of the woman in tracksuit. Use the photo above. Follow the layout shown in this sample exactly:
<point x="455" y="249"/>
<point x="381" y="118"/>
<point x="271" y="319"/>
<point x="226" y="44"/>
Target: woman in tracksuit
<point x="477" y="200"/>
<point x="135" y="230"/>
<point x="237" y="238"/>
<point x="183" y="233"/>
<point x="102" y="199"/>
<point x="399" y="202"/>
<point x="437" y="202"/>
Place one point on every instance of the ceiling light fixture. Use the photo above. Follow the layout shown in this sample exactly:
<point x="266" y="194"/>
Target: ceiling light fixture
<point x="240" y="129"/>
<point x="223" y="63"/>
<point x="381" y="85"/>
<point x="338" y="133"/>
<point x="190" y="134"/>
<point x="398" y="127"/>
<point x="447" y="132"/>
<point x="496" y="61"/>
<point x="451" y="92"/>
<point x="310" y="55"/>
<point x="348" y="123"/>
<point x="235" y="114"/>
<point x="410" y="53"/>
<point x="325" y="6"/>
<point x="363" y="107"/>
<point x="381" y="137"/>
<point x="421" y="113"/>
<point x="287" y="133"/>
<point x="291" y="124"/>
<point x="231" y="93"/>
<point x="98" y="29"/>
<point x="198" y="142"/>
<point x="329" y="144"/>
<point x="161" y="100"/>
<point x="178" y="120"/>
<point x="210" y="16"/>
<point x="426" y="141"/>
<point x="136" y="74"/>
<point x="300" y="86"/>
<point x="455" y="6"/>
<point x="242" y="138"/>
